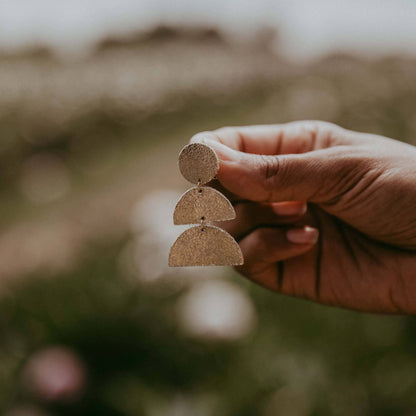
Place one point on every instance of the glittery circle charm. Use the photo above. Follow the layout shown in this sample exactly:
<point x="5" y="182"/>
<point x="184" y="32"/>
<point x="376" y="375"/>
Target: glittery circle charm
<point x="198" y="163"/>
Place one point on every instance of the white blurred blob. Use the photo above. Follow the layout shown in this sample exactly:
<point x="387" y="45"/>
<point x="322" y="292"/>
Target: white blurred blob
<point x="54" y="374"/>
<point x="152" y="218"/>
<point x="44" y="178"/>
<point x="26" y="410"/>
<point x="289" y="402"/>
<point x="216" y="310"/>
<point x="145" y="258"/>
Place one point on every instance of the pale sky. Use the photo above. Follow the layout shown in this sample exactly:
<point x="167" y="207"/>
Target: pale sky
<point x="308" y="28"/>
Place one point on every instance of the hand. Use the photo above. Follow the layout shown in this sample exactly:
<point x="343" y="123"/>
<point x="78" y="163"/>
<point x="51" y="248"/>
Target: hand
<point x="355" y="246"/>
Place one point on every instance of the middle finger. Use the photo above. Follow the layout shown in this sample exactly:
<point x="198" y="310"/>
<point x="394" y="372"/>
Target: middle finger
<point x="251" y="215"/>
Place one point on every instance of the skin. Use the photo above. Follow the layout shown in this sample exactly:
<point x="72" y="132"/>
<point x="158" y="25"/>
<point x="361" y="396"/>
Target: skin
<point x="354" y="244"/>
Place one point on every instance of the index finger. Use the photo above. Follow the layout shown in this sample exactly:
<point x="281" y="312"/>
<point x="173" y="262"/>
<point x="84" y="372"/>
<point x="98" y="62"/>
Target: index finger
<point x="276" y="139"/>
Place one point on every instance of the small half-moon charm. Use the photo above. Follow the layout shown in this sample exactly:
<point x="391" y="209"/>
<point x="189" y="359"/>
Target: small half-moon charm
<point x="202" y="204"/>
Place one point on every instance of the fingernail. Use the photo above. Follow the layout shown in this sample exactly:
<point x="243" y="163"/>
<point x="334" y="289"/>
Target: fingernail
<point x="290" y="208"/>
<point x="305" y="235"/>
<point x="223" y="152"/>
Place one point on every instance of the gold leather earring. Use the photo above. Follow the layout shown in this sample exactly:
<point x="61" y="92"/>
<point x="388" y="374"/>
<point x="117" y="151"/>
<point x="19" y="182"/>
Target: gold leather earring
<point x="204" y="244"/>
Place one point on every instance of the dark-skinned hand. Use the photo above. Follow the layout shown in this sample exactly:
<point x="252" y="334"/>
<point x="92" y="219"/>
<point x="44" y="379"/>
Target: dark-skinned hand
<point x="323" y="213"/>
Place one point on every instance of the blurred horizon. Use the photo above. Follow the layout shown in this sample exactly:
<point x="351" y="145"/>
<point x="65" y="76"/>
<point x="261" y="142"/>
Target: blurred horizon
<point x="306" y="30"/>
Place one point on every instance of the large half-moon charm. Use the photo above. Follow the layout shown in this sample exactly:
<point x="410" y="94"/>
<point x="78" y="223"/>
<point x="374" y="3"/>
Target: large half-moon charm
<point x="205" y="245"/>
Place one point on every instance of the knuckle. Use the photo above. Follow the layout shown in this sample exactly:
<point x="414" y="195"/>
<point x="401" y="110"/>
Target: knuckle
<point x="323" y="133"/>
<point x="201" y="136"/>
<point x="259" y="237"/>
<point x="319" y="126"/>
<point x="256" y="252"/>
<point x="225" y="129"/>
<point x="355" y="174"/>
<point x="270" y="167"/>
<point x="257" y="243"/>
<point x="231" y="134"/>
<point x="264" y="239"/>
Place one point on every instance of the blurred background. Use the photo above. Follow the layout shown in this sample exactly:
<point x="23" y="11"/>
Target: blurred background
<point x="96" y="100"/>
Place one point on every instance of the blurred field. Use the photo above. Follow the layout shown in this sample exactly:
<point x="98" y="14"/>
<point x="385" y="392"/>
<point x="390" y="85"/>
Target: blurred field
<point x="88" y="153"/>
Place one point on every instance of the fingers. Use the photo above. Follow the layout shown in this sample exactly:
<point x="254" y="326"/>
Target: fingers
<point x="318" y="176"/>
<point x="305" y="160"/>
<point x="281" y="208"/>
<point x="295" y="137"/>
<point x="251" y="215"/>
<point x="265" y="249"/>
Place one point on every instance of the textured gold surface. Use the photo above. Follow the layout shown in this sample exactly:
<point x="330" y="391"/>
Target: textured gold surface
<point x="202" y="204"/>
<point x="198" y="163"/>
<point x="210" y="247"/>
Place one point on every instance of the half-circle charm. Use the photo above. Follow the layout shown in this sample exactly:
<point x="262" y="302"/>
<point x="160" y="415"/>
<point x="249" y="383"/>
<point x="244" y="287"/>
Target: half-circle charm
<point x="202" y="204"/>
<point x="205" y="245"/>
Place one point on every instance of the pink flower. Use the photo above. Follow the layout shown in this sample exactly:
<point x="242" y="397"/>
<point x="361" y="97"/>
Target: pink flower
<point x="54" y="374"/>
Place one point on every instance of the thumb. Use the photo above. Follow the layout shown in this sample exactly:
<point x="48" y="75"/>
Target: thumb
<point x="317" y="176"/>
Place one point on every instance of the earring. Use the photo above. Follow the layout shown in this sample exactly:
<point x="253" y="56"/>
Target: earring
<point x="205" y="244"/>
